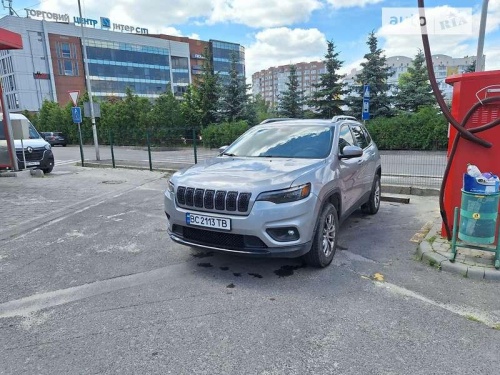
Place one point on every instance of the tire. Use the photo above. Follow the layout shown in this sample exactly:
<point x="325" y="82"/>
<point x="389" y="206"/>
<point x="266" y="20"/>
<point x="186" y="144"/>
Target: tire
<point x="50" y="166"/>
<point x="325" y="238"/>
<point x="64" y="145"/>
<point x="372" y="206"/>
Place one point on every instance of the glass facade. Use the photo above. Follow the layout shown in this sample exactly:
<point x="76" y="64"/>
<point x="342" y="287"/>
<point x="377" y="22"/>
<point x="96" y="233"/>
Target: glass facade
<point x="222" y="53"/>
<point x="180" y="75"/>
<point x="114" y="66"/>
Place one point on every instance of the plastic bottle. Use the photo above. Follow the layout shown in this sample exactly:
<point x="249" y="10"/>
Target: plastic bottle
<point x="473" y="171"/>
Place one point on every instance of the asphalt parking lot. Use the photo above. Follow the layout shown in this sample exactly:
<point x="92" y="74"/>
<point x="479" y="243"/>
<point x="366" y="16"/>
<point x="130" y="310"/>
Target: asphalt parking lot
<point x="90" y="283"/>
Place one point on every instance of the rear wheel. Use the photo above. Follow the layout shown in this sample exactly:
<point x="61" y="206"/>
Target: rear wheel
<point x="373" y="204"/>
<point x="325" y="238"/>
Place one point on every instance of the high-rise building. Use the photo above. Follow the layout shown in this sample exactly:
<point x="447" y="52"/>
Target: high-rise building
<point x="444" y="66"/>
<point x="51" y="63"/>
<point x="270" y="83"/>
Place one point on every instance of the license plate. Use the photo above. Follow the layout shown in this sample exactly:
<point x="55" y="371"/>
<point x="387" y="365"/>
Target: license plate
<point x="31" y="163"/>
<point x="208" y="221"/>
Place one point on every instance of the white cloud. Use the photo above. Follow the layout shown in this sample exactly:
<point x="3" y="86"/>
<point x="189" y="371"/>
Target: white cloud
<point x="263" y="13"/>
<point x="457" y="45"/>
<point x="352" y="3"/>
<point x="281" y="46"/>
<point x="255" y="14"/>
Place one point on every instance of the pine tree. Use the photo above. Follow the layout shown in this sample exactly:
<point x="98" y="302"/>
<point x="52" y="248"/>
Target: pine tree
<point x="233" y="101"/>
<point x="207" y="84"/>
<point x="414" y="89"/>
<point x="327" y="99"/>
<point x="471" y="68"/>
<point x="375" y="73"/>
<point x="291" y="100"/>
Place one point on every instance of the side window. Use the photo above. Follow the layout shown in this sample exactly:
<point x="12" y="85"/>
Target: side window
<point x="367" y="135"/>
<point x="345" y="138"/>
<point x="359" y="135"/>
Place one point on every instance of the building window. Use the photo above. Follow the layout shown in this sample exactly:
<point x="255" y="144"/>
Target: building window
<point x="68" y="67"/>
<point x="66" y="50"/>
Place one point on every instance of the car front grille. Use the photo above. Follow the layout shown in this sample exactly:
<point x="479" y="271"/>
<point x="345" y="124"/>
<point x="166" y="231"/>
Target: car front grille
<point x="35" y="155"/>
<point x="219" y="200"/>
<point x="219" y="239"/>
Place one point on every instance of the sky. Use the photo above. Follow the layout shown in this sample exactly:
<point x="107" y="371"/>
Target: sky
<point x="278" y="32"/>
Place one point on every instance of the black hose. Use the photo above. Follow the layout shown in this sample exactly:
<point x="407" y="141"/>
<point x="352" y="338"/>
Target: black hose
<point x="462" y="132"/>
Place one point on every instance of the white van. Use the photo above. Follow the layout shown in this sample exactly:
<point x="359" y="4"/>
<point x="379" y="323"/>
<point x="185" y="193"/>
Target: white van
<point x="37" y="151"/>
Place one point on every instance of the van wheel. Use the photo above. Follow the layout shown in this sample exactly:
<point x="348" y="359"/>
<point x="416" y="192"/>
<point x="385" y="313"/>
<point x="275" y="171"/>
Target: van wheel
<point x="371" y="207"/>
<point x="50" y="166"/>
<point x="325" y="238"/>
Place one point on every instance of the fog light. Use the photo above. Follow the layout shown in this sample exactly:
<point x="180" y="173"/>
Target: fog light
<point x="284" y="234"/>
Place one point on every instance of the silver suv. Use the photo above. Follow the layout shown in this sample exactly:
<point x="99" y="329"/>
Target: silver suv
<point x="281" y="189"/>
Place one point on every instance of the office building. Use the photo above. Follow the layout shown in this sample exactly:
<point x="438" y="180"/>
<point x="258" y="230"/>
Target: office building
<point x="51" y="63"/>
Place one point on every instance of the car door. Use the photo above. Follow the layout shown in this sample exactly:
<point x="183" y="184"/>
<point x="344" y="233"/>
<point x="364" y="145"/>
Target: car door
<point x="350" y="180"/>
<point x="366" y="167"/>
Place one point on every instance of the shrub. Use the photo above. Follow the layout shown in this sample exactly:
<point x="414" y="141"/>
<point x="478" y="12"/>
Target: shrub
<point x="217" y="135"/>
<point x="426" y="129"/>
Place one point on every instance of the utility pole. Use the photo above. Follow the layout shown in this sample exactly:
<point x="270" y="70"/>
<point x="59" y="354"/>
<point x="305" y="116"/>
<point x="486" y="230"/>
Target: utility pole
<point x="87" y="83"/>
<point x="480" y="43"/>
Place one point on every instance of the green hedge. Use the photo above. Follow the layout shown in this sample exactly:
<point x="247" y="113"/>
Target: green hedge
<point x="426" y="129"/>
<point x="217" y="135"/>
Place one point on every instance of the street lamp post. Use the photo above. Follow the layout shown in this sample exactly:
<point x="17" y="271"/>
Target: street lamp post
<point x="480" y="43"/>
<point x="87" y="83"/>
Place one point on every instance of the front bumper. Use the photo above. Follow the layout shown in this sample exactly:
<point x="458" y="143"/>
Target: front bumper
<point x="39" y="159"/>
<point x="248" y="234"/>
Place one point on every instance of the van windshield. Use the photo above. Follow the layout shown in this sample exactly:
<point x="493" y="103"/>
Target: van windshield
<point x="33" y="133"/>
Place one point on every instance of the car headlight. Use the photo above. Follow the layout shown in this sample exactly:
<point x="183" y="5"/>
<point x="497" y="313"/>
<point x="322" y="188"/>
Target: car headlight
<point x="170" y="186"/>
<point x="47" y="146"/>
<point x="292" y="194"/>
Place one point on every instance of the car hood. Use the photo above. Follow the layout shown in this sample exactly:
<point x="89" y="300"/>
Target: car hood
<point x="35" y="143"/>
<point x="224" y="173"/>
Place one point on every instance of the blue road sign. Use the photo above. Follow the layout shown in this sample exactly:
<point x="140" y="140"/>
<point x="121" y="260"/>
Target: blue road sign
<point x="76" y="113"/>
<point x="365" y="113"/>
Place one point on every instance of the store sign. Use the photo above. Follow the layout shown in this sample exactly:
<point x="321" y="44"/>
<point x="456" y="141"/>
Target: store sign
<point x="104" y="21"/>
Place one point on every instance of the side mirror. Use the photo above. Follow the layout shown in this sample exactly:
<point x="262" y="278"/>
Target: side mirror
<point x="350" y="152"/>
<point x="222" y="149"/>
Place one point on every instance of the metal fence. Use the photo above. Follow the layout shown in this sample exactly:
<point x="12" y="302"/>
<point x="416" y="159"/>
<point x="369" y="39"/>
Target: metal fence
<point x="405" y="168"/>
<point x="413" y="168"/>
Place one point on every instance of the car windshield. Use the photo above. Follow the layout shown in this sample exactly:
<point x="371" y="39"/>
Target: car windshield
<point x="284" y="141"/>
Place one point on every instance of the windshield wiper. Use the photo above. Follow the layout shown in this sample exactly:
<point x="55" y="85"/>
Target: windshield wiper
<point x="228" y="154"/>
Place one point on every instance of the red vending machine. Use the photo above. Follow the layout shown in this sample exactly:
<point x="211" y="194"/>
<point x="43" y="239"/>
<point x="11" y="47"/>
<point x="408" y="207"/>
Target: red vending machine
<point x="469" y="89"/>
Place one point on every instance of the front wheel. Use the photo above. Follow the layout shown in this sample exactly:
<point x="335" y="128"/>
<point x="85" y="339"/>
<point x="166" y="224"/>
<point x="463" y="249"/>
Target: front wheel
<point x="325" y="238"/>
<point x="50" y="166"/>
<point x="371" y="207"/>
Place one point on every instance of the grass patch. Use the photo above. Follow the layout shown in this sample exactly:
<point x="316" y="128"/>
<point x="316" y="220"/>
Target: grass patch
<point x="432" y="239"/>
<point x="496" y="326"/>
<point x="472" y="318"/>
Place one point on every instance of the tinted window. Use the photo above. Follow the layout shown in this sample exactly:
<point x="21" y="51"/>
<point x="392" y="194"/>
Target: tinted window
<point x="359" y="135"/>
<point x="367" y="135"/>
<point x="307" y="141"/>
<point x="345" y="138"/>
<point x="2" y="133"/>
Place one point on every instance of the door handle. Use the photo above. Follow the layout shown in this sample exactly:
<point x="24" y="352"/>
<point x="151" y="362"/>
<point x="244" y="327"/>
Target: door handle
<point x="360" y="161"/>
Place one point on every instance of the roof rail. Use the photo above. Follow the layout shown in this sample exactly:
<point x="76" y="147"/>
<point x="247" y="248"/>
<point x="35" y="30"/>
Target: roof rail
<point x="342" y="117"/>
<point x="266" y="121"/>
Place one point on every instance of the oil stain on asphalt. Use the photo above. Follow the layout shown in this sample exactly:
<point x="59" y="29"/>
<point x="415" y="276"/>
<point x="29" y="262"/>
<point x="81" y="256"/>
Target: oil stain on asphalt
<point x="205" y="265"/>
<point x="287" y="270"/>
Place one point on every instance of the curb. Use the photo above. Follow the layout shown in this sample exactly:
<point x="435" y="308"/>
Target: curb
<point x="410" y="190"/>
<point x="435" y="251"/>
<point x="139" y="168"/>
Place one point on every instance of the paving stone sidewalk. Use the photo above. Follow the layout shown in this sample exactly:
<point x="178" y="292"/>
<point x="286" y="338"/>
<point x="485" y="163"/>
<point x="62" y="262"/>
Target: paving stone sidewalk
<point x="26" y="199"/>
<point x="436" y="251"/>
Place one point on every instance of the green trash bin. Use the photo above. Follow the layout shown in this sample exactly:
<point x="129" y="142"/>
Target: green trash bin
<point x="478" y="218"/>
